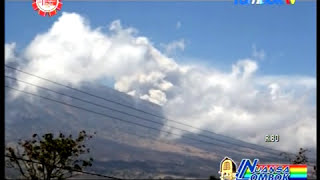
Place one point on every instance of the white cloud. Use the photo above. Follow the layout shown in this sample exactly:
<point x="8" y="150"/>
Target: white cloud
<point x="173" y="46"/>
<point x="9" y="52"/>
<point x="178" y="25"/>
<point x="258" y="54"/>
<point x="155" y="96"/>
<point x="238" y="103"/>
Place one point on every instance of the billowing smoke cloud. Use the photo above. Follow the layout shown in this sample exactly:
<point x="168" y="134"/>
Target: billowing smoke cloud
<point x="173" y="46"/>
<point x="9" y="52"/>
<point x="238" y="103"/>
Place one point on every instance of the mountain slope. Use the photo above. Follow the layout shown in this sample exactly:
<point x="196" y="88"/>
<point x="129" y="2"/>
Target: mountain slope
<point x="116" y="150"/>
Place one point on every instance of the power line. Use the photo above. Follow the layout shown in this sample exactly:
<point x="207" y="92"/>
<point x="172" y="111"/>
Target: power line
<point x="136" y="109"/>
<point x="146" y="136"/>
<point x="112" y="117"/>
<point x="101" y="106"/>
<point x="59" y="167"/>
<point x="106" y="107"/>
<point x="112" y="101"/>
<point x="130" y="107"/>
<point x="130" y="122"/>
<point x="141" y="136"/>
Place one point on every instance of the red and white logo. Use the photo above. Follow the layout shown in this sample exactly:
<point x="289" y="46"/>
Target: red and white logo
<point x="47" y="7"/>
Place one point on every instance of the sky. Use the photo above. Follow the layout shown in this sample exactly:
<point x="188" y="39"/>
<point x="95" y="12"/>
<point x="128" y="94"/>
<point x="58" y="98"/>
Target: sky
<point x="214" y="65"/>
<point x="215" y="33"/>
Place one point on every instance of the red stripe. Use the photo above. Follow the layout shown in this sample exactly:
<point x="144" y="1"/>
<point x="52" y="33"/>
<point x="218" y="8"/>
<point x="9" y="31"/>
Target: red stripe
<point x="298" y="166"/>
<point x="42" y="13"/>
<point x="59" y="6"/>
<point x="34" y="6"/>
<point x="52" y="13"/>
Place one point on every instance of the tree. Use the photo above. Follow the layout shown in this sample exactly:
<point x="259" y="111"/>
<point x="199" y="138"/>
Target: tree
<point x="49" y="157"/>
<point x="300" y="158"/>
<point x="314" y="171"/>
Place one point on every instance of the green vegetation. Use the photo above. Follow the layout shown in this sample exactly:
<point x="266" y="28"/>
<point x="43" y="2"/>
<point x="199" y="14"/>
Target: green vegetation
<point x="49" y="157"/>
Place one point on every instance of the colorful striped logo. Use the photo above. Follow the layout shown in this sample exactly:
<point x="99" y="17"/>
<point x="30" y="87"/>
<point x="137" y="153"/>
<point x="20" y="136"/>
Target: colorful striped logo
<point x="298" y="172"/>
<point x="293" y="171"/>
<point x="251" y="170"/>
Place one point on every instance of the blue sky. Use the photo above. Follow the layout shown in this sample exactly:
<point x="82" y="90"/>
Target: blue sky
<point x="216" y="33"/>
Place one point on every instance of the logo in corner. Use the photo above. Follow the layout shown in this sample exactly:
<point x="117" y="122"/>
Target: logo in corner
<point x="227" y="169"/>
<point x="46" y="7"/>
<point x="252" y="170"/>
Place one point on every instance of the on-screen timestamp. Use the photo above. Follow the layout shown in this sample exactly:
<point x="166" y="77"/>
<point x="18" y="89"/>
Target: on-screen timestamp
<point x="272" y="138"/>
